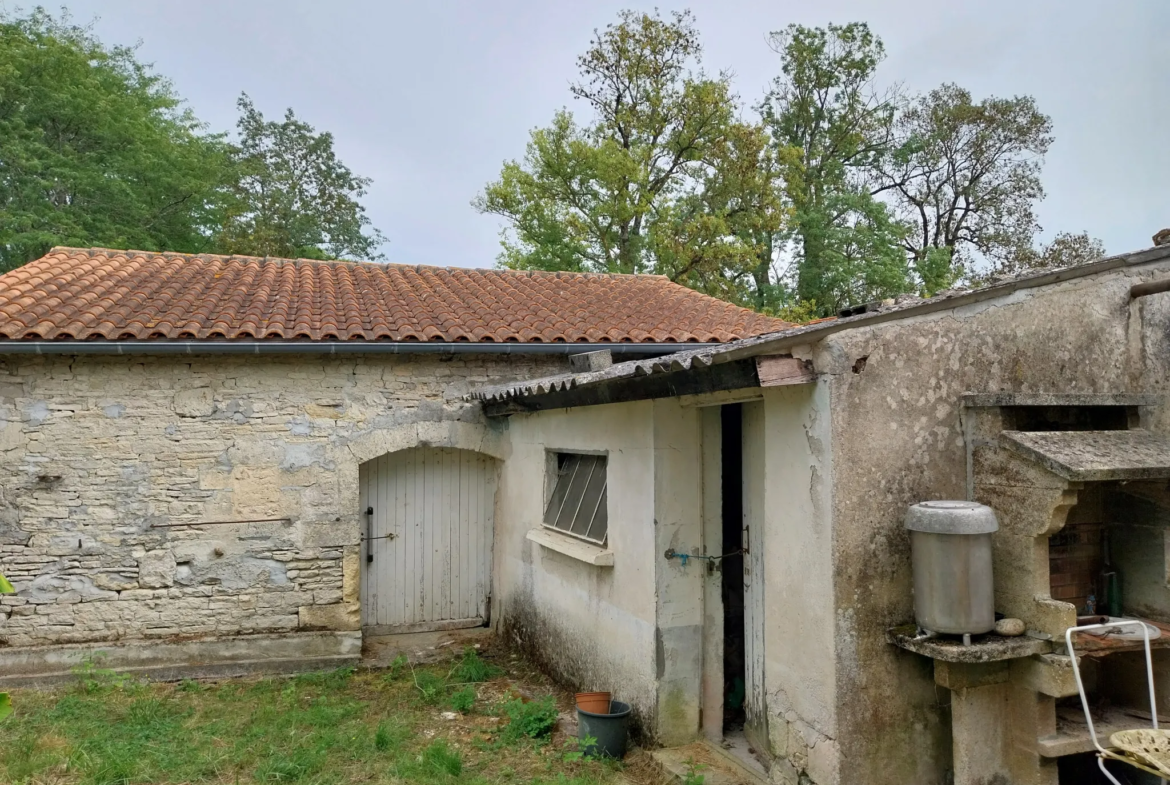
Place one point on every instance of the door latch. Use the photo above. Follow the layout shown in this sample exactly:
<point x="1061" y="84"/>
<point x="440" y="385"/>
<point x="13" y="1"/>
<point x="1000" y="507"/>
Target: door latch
<point x="370" y="534"/>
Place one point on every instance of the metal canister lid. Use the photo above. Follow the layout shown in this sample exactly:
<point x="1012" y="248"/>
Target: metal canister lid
<point x="951" y="517"/>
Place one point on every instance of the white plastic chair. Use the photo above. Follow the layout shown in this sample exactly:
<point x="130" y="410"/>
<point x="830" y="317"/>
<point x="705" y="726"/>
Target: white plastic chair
<point x="1102" y="752"/>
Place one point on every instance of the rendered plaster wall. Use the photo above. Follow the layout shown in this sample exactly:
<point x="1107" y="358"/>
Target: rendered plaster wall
<point x="799" y="647"/>
<point x="1139" y="541"/>
<point x="102" y="457"/>
<point x="897" y="439"/>
<point x="633" y="628"/>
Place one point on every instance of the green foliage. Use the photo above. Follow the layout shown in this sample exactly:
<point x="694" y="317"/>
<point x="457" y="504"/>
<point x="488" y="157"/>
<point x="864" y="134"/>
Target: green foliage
<point x="472" y="669"/>
<point x="189" y="685"/>
<point x="325" y="729"/>
<point x="5" y="705"/>
<point x="529" y="719"/>
<point x="847" y="245"/>
<point x="290" y="195"/>
<point x="662" y="177"/>
<point x="335" y="679"/>
<point x="797" y="312"/>
<point x="96" y="148"/>
<point x="463" y="700"/>
<point x="966" y="175"/>
<point x="693" y="777"/>
<point x="578" y="749"/>
<point x="1066" y="250"/>
<point x="439" y="758"/>
<point x="396" y="668"/>
<point x="5" y="586"/>
<point x="94" y="679"/>
<point x="431" y="686"/>
<point x="389" y="735"/>
<point x="936" y="271"/>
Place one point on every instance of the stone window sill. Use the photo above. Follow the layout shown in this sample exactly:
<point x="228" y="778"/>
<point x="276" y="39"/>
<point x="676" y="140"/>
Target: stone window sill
<point x="572" y="547"/>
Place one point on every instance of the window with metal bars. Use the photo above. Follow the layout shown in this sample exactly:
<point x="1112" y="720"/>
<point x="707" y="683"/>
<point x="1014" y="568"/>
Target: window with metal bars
<point x="577" y="505"/>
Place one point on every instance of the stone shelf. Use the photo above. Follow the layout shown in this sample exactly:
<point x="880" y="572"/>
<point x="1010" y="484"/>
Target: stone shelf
<point x="983" y="648"/>
<point x="1072" y="734"/>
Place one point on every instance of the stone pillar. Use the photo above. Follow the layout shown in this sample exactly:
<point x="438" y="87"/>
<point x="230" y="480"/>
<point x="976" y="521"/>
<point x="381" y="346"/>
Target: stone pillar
<point x="979" y="720"/>
<point x="996" y="719"/>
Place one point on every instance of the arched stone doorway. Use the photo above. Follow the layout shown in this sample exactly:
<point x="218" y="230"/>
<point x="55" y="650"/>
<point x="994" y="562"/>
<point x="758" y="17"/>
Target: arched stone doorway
<point x="427" y="539"/>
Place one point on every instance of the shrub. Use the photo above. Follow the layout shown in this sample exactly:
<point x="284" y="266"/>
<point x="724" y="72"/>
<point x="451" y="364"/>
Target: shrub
<point x="533" y="719"/>
<point x="463" y="699"/>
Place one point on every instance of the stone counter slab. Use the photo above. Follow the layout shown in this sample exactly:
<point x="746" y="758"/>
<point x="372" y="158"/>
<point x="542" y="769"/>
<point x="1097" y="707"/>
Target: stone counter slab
<point x="983" y="648"/>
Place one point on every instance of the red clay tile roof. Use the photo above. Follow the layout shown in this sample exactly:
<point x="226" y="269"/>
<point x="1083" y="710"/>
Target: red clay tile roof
<point x="97" y="294"/>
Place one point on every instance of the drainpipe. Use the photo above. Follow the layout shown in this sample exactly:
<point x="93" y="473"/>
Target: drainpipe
<point x="156" y="347"/>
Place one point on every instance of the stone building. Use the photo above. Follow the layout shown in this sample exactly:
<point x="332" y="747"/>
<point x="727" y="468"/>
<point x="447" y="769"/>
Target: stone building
<point x="232" y="463"/>
<point x="754" y="572"/>
<point x="191" y="445"/>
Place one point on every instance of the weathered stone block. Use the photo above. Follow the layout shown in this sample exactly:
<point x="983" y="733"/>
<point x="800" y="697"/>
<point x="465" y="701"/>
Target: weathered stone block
<point x="199" y="402"/>
<point x="156" y="569"/>
<point x="341" y="616"/>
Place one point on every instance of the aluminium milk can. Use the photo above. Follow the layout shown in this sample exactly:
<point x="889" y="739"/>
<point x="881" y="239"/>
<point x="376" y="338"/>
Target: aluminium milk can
<point x="950" y="544"/>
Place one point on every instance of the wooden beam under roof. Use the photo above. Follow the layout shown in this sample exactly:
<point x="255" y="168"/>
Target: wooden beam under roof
<point x="778" y="370"/>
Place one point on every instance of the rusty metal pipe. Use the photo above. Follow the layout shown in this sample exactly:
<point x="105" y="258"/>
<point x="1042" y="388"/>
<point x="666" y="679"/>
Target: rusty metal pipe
<point x="219" y="523"/>
<point x="1149" y="287"/>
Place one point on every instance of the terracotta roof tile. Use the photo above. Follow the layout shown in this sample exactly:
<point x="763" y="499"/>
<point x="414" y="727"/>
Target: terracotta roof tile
<point x="98" y="294"/>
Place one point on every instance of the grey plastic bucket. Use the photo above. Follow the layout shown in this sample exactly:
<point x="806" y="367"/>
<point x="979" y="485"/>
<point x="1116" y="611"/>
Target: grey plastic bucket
<point x="610" y="730"/>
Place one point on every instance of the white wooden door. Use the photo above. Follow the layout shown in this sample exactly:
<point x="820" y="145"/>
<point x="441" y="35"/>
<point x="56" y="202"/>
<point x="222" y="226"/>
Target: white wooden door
<point x="755" y="701"/>
<point x="428" y="539"/>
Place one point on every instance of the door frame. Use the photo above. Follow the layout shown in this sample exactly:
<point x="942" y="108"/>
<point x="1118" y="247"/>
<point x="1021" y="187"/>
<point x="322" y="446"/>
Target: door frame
<point x="486" y="560"/>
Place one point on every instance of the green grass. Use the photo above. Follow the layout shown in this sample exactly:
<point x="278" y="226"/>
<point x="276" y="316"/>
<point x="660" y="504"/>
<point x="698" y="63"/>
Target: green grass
<point x="330" y="728"/>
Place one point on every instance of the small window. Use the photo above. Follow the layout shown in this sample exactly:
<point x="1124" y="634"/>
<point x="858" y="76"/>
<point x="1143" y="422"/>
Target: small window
<point x="577" y="504"/>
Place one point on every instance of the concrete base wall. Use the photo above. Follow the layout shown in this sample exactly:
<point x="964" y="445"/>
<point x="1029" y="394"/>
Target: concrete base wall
<point x="169" y="661"/>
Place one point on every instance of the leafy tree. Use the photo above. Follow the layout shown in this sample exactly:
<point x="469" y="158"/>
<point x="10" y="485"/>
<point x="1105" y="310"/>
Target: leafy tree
<point x="662" y="177"/>
<point x="1066" y="250"/>
<point x="824" y="105"/>
<point x="291" y="196"/>
<point x="95" y="148"/>
<point x="966" y="177"/>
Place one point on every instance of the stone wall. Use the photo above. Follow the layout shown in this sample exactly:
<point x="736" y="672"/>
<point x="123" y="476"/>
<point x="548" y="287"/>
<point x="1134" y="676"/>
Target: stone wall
<point x="110" y="461"/>
<point x="898" y="439"/>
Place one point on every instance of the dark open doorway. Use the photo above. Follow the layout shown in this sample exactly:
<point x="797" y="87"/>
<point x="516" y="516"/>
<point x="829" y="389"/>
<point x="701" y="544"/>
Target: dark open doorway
<point x="734" y="671"/>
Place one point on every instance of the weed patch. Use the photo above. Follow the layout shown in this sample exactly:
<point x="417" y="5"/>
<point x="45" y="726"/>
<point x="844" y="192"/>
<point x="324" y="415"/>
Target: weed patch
<point x="463" y="700"/>
<point x="330" y="728"/>
<point x="530" y="719"/>
<point x="471" y="669"/>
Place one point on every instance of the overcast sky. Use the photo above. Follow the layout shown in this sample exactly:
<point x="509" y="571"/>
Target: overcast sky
<point x="429" y="98"/>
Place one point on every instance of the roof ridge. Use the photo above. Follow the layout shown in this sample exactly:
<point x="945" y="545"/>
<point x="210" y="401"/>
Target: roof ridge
<point x="345" y="262"/>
